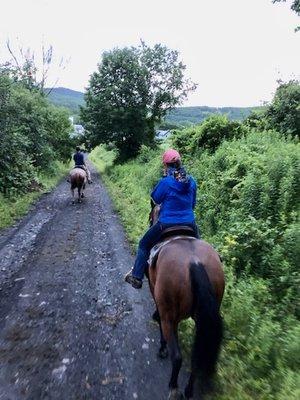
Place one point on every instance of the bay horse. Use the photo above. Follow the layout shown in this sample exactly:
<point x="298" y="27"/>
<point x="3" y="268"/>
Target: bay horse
<point x="78" y="180"/>
<point x="187" y="280"/>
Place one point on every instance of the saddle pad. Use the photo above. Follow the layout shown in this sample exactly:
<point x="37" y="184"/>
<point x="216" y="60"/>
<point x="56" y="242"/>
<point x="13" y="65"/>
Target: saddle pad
<point x="156" y="249"/>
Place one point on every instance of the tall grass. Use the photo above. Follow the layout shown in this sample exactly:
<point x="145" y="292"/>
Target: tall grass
<point x="13" y="208"/>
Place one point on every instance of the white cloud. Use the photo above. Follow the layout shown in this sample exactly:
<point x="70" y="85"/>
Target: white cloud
<point x="235" y="49"/>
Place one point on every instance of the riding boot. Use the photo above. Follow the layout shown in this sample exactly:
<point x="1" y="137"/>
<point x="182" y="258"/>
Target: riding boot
<point x="134" y="282"/>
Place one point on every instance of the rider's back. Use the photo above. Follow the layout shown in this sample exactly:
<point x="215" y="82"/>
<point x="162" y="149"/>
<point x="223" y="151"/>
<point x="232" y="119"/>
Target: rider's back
<point x="78" y="158"/>
<point x="177" y="200"/>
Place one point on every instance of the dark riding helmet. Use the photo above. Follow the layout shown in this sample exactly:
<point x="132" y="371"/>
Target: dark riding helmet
<point x="77" y="148"/>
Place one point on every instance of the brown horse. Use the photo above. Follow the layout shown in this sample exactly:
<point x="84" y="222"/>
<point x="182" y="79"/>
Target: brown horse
<point x="187" y="280"/>
<point x="78" y="180"/>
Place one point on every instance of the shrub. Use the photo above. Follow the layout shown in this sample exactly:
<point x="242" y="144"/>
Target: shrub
<point x="216" y="129"/>
<point x="247" y="208"/>
<point x="34" y="135"/>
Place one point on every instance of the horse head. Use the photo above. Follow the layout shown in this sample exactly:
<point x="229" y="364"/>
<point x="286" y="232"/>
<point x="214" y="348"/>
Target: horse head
<point x="154" y="213"/>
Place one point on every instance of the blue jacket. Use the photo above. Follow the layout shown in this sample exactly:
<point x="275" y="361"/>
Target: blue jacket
<point x="78" y="158"/>
<point x="177" y="200"/>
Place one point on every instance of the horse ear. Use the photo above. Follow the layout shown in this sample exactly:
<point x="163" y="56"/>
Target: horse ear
<point x="152" y="203"/>
<point x="150" y="218"/>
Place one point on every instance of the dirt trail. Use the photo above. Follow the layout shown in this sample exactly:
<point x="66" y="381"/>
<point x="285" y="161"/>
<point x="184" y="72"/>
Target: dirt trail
<point x="70" y="328"/>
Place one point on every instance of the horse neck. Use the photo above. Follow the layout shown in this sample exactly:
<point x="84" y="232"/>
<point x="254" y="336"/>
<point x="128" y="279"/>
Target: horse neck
<point x="155" y="214"/>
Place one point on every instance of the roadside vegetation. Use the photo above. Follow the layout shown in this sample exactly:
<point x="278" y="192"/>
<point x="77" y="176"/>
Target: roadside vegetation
<point x="15" y="206"/>
<point x="35" y="145"/>
<point x="248" y="208"/>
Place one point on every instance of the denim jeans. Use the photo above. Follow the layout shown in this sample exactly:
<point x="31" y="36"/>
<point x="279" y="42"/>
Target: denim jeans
<point x="151" y="238"/>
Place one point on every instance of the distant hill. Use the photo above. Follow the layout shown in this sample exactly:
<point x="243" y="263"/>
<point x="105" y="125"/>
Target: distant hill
<point x="67" y="98"/>
<point x="195" y="115"/>
<point x="72" y="99"/>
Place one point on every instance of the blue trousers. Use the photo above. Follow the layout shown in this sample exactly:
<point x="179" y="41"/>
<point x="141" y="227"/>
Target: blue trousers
<point x="152" y="237"/>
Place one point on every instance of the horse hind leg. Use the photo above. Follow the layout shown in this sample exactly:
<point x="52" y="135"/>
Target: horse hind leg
<point x="170" y="333"/>
<point x="73" y="199"/>
<point x="79" y="194"/>
<point x="163" y="350"/>
<point x="189" y="389"/>
<point x="82" y="191"/>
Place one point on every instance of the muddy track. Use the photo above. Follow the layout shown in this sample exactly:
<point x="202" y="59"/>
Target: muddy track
<point x="70" y="328"/>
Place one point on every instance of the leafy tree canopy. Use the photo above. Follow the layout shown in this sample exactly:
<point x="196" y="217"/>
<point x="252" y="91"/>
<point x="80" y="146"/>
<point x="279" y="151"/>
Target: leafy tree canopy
<point x="34" y="134"/>
<point x="295" y="6"/>
<point x="284" y="112"/>
<point x="131" y="91"/>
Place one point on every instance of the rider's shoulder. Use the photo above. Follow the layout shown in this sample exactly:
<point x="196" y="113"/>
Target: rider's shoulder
<point x="165" y="180"/>
<point x="193" y="180"/>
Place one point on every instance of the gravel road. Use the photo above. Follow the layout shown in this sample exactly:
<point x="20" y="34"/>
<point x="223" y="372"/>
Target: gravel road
<point x="70" y="327"/>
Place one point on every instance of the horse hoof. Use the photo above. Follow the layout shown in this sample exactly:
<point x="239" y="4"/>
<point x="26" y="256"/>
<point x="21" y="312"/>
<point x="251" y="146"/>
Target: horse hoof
<point x="163" y="353"/>
<point x="82" y="195"/>
<point x="188" y="393"/>
<point x="175" y="394"/>
<point x="73" y="203"/>
<point x="155" y="316"/>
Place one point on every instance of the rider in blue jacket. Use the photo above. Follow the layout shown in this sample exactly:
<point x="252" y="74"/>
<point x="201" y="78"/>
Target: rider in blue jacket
<point x="79" y="161"/>
<point x="176" y="195"/>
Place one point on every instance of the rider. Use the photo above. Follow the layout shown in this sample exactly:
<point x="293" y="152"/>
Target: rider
<point x="78" y="158"/>
<point x="176" y="194"/>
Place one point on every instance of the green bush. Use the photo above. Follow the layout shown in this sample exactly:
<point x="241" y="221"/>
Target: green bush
<point x="214" y="130"/>
<point x="247" y="207"/>
<point x="207" y="136"/>
<point x="34" y="134"/>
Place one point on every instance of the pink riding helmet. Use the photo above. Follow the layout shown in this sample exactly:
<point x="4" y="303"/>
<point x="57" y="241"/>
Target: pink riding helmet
<point x="171" y="156"/>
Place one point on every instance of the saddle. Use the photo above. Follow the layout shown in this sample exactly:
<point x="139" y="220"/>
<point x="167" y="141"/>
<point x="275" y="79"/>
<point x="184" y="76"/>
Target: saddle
<point x="173" y="233"/>
<point x="175" y="230"/>
<point x="79" y="166"/>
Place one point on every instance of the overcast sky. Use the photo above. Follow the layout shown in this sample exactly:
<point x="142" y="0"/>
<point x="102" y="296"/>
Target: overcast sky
<point x="235" y="50"/>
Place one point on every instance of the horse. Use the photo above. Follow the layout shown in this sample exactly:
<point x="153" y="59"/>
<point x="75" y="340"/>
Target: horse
<point x="186" y="279"/>
<point x="78" y="180"/>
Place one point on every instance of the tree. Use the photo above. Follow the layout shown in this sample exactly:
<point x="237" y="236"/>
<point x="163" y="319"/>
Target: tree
<point x="130" y="93"/>
<point x="283" y="114"/>
<point x="295" y="6"/>
<point x="22" y="67"/>
<point x="34" y="134"/>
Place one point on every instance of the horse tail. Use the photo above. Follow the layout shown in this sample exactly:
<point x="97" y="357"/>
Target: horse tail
<point x="209" y="326"/>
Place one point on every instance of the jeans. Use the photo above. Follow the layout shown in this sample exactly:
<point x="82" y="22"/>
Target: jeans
<point x="151" y="238"/>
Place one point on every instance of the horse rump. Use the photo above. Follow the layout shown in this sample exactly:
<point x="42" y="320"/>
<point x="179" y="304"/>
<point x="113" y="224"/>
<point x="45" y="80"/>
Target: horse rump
<point x="77" y="180"/>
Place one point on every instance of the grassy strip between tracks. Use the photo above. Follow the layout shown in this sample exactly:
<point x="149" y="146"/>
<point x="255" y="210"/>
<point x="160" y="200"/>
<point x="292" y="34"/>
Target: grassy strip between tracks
<point x="12" y="208"/>
<point x="260" y="354"/>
